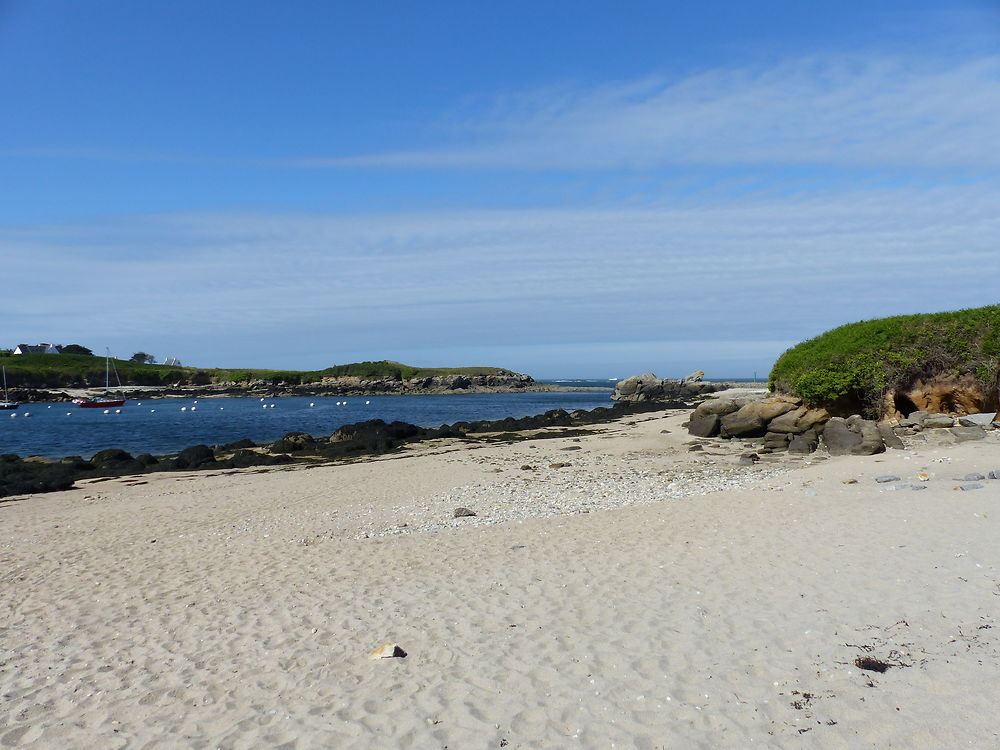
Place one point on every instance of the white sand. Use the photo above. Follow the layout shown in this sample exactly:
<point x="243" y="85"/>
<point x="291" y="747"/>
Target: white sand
<point x="675" y="620"/>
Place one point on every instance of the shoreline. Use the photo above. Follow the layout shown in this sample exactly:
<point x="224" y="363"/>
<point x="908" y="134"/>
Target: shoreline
<point x="729" y="610"/>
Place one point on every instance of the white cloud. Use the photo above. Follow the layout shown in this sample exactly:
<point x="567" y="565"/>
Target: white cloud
<point x="298" y="290"/>
<point x="837" y="111"/>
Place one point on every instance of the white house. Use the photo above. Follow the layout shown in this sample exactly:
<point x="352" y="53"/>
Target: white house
<point x="35" y="349"/>
<point x="172" y="361"/>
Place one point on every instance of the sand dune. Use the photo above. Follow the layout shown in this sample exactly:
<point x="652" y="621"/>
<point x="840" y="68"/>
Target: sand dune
<point x="643" y="596"/>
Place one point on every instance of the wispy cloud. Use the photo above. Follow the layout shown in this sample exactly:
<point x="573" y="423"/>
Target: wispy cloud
<point x="285" y="289"/>
<point x="845" y="112"/>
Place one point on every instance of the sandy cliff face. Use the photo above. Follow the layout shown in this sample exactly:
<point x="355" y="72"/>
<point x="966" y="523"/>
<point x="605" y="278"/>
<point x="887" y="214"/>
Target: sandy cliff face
<point x="943" y="394"/>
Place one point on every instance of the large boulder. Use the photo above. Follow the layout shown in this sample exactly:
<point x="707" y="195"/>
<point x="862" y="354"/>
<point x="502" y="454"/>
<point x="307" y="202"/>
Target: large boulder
<point x="871" y="439"/>
<point x="839" y="438"/>
<point x="740" y="424"/>
<point x="704" y="425"/>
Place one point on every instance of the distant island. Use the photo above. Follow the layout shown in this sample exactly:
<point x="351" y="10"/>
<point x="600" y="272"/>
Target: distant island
<point x="54" y="377"/>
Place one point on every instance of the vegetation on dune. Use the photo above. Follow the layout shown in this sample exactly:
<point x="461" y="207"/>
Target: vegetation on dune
<point x="860" y="362"/>
<point x="80" y="370"/>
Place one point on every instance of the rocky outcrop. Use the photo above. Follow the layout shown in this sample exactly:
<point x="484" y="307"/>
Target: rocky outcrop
<point x="648" y="387"/>
<point x="944" y="394"/>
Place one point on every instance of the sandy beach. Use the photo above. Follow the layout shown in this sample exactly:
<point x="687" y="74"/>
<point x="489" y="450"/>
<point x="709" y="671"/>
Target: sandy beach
<point x="614" y="590"/>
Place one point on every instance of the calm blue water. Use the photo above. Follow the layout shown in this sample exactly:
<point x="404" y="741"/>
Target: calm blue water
<point x="159" y="426"/>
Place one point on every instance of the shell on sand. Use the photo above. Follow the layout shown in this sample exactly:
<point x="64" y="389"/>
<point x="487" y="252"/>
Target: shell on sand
<point x="387" y="650"/>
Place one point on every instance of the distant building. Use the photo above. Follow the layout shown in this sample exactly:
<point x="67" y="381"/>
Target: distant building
<point x="36" y="349"/>
<point x="172" y="361"/>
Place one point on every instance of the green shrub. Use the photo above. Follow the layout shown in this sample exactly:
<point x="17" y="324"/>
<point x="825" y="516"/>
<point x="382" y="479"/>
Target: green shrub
<point x="864" y="360"/>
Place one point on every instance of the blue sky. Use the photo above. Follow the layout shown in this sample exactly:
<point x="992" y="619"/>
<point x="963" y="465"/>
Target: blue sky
<point x="563" y="188"/>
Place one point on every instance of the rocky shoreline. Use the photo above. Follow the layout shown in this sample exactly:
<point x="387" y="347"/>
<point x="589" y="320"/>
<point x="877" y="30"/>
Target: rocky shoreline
<point x="339" y="386"/>
<point x="35" y="474"/>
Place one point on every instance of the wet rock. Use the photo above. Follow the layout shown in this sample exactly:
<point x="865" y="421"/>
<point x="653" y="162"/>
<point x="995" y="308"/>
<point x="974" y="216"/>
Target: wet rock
<point x="194" y="457"/>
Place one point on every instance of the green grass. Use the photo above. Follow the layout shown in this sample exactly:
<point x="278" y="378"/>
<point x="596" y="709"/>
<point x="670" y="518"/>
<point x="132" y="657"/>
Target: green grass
<point x="861" y="361"/>
<point x="78" y="370"/>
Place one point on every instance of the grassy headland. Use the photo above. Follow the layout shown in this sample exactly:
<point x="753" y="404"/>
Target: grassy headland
<point x="83" y="371"/>
<point x="861" y="362"/>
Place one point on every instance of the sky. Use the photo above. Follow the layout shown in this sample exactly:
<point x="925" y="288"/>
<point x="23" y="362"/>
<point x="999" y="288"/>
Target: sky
<point x="563" y="188"/>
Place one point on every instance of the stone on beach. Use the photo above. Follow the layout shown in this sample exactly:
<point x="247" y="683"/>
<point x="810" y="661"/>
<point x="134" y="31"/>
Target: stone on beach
<point x="462" y="513"/>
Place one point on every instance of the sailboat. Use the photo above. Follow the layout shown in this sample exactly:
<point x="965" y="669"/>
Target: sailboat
<point x="94" y="403"/>
<point x="7" y="404"/>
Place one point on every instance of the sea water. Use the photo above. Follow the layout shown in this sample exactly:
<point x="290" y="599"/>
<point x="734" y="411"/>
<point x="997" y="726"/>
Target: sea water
<point x="161" y="426"/>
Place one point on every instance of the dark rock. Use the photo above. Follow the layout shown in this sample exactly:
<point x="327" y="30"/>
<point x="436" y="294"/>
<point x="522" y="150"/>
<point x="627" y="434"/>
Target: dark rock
<point x="889" y="437"/>
<point x="147" y="459"/>
<point x="703" y="425"/>
<point x="695" y="447"/>
<point x="462" y="513"/>
<point x="807" y="442"/>
<point x="193" y="458"/>
<point x="839" y="438"/>
<point x="238" y="445"/>
<point x="887" y="478"/>
<point x="244" y="458"/>
<point x="973" y="477"/>
<point x="749" y="459"/>
<point x="293" y="442"/>
<point x="995" y="474"/>
<point x="735" y="425"/>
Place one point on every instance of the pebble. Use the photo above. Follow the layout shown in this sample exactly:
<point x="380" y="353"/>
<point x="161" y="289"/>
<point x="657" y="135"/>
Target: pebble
<point x="887" y="478"/>
<point x="970" y="487"/>
<point x="974" y="477"/>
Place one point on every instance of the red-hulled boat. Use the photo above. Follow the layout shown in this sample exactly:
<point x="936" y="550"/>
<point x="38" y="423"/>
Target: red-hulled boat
<point x="107" y="401"/>
<point x="93" y="403"/>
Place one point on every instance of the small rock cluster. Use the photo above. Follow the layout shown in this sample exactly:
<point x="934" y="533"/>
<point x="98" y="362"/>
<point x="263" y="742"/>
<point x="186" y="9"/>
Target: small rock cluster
<point x="648" y="387"/>
<point x="785" y="423"/>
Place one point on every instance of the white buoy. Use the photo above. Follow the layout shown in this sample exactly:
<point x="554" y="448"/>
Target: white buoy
<point x="222" y="408"/>
<point x="367" y="402"/>
<point x="152" y="411"/>
<point x="48" y="407"/>
<point x="69" y="414"/>
<point x="12" y="416"/>
<point x="196" y="401"/>
<point x="184" y="408"/>
<point x="138" y="403"/>
<point x="263" y="406"/>
<point x="27" y="413"/>
<point x="107" y="411"/>
<point x="311" y="404"/>
<point x="194" y="408"/>
<point x="118" y="411"/>
<point x="272" y="406"/>
<point x="262" y="399"/>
